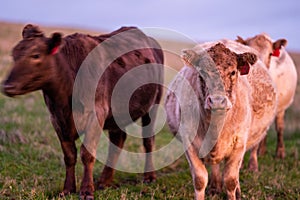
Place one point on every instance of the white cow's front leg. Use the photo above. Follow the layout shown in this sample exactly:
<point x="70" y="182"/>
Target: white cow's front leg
<point x="215" y="180"/>
<point x="231" y="173"/>
<point x="198" y="171"/>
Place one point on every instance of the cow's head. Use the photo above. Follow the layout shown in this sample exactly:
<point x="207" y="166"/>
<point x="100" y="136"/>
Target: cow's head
<point x="33" y="57"/>
<point x="264" y="45"/>
<point x="221" y="76"/>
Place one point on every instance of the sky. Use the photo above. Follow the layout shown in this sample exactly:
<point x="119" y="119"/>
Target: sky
<point x="201" y="20"/>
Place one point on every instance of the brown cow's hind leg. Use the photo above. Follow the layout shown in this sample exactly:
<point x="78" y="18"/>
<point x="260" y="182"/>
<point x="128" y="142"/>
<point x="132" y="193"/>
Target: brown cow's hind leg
<point x="117" y="139"/>
<point x="148" y="142"/>
<point x="87" y="185"/>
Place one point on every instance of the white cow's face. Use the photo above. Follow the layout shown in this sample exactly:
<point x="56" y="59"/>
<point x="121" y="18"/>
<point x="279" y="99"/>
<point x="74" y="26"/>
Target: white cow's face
<point x="221" y="78"/>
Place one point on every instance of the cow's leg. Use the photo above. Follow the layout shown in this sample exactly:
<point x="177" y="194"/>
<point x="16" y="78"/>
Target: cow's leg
<point x="215" y="180"/>
<point x="231" y="173"/>
<point x="262" y="146"/>
<point x="198" y="171"/>
<point x="148" y="141"/>
<point x="70" y="157"/>
<point x="253" y="163"/>
<point x="117" y="139"/>
<point x="88" y="157"/>
<point x="279" y="122"/>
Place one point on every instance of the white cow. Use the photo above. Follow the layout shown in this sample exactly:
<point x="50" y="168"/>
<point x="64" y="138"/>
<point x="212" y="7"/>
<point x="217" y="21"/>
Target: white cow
<point x="223" y="112"/>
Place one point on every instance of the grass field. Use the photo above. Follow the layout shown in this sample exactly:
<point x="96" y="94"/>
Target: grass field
<point x="32" y="167"/>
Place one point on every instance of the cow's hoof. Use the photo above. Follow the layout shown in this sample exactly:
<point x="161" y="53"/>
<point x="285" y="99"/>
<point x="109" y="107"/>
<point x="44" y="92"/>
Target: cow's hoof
<point x="86" y="197"/>
<point x="102" y="186"/>
<point x="280" y="153"/>
<point x="149" y="177"/>
<point x="253" y="167"/>
<point x="86" y="193"/>
<point x="214" y="191"/>
<point x="62" y="195"/>
<point x="66" y="193"/>
<point x="104" y="182"/>
<point x="215" y="187"/>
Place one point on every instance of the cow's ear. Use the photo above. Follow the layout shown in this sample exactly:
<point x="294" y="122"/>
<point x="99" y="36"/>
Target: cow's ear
<point x="241" y="40"/>
<point x="31" y="31"/>
<point x="244" y="61"/>
<point x="54" y="43"/>
<point x="188" y="57"/>
<point x="277" y="46"/>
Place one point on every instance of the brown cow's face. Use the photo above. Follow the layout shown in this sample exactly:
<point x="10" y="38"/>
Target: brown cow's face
<point x="264" y="45"/>
<point x="33" y="62"/>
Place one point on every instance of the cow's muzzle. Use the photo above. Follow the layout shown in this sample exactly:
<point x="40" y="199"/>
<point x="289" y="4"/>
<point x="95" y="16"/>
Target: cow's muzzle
<point x="8" y="89"/>
<point x="217" y="102"/>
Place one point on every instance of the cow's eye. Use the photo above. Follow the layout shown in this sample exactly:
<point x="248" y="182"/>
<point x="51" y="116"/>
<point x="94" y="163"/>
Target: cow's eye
<point x="35" y="56"/>
<point x="232" y="73"/>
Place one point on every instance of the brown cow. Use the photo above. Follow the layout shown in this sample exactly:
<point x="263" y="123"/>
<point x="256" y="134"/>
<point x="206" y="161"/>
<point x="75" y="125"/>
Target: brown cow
<point x="51" y="65"/>
<point x="220" y="89"/>
<point x="282" y="68"/>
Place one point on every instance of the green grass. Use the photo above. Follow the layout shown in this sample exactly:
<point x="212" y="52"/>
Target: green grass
<point x="32" y="166"/>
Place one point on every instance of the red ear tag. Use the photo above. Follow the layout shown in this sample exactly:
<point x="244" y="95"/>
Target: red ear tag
<point x="54" y="50"/>
<point x="276" y="53"/>
<point x="244" y="69"/>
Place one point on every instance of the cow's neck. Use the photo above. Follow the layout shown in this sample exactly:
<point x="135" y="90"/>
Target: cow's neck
<point x="59" y="88"/>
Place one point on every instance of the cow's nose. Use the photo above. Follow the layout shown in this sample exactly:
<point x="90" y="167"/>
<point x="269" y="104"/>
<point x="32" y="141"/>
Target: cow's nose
<point x="217" y="102"/>
<point x="7" y="89"/>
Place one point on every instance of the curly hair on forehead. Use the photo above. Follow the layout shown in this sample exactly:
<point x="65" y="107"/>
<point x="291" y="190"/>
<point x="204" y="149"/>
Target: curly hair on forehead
<point x="219" y="52"/>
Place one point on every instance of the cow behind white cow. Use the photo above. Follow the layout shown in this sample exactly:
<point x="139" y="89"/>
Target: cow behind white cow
<point x="251" y="99"/>
<point x="283" y="72"/>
